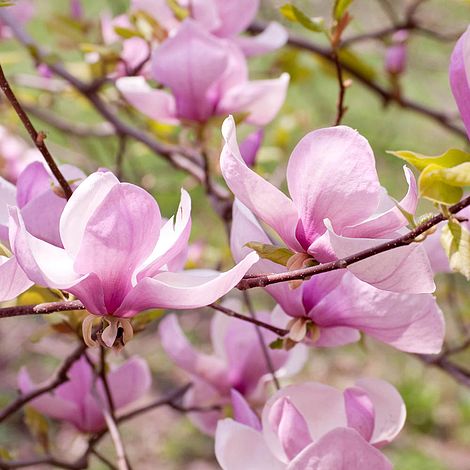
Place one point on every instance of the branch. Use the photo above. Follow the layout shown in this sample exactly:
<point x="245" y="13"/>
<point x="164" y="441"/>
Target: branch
<point x="340" y="107"/>
<point x="262" y="280"/>
<point x="41" y="309"/>
<point x="60" y="378"/>
<point x="299" y="42"/>
<point x="37" y="137"/>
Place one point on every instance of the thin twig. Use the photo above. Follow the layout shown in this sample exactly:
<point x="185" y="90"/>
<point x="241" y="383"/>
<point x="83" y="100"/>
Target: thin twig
<point x="41" y="309"/>
<point x="37" y="137"/>
<point x="340" y="107"/>
<point x="103" y="459"/>
<point x="60" y="378"/>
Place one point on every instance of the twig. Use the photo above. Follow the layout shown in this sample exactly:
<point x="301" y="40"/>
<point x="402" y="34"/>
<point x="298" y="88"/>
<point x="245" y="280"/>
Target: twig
<point x="340" y="107"/>
<point x="264" y="348"/>
<point x="37" y="137"/>
<point x="442" y="362"/>
<point x="60" y="378"/>
<point x="262" y="280"/>
<point x="103" y="459"/>
<point x="41" y="309"/>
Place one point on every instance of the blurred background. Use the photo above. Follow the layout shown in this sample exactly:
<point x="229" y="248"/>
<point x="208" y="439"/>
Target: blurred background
<point x="437" y="432"/>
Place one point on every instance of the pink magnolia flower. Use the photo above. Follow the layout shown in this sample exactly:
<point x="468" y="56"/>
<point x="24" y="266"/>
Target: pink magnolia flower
<point x="314" y="426"/>
<point x="459" y="77"/>
<point x="237" y="363"/>
<point x="21" y="12"/>
<point x="222" y="18"/>
<point x="15" y="155"/>
<point x="81" y="399"/>
<point x="117" y="257"/>
<point x="207" y="76"/>
<point x="34" y="194"/>
<point x="395" y="57"/>
<point x="337" y="305"/>
<point x="337" y="206"/>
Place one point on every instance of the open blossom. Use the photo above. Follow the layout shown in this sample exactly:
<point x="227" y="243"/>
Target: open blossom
<point x="332" y="308"/>
<point x="459" y="77"/>
<point x="314" y="426"/>
<point x="81" y="399"/>
<point x="117" y="257"/>
<point x="237" y="363"/>
<point x="222" y="18"/>
<point x="33" y="194"/>
<point x="207" y="76"/>
<point x="337" y="206"/>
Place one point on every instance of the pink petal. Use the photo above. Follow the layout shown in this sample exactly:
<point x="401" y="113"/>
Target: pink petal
<point x="13" y="280"/>
<point x="272" y="38"/>
<point x="250" y="146"/>
<point x="130" y="381"/>
<point x="261" y="99"/>
<point x="390" y="411"/>
<point x="119" y="235"/>
<point x="7" y="198"/>
<point x="331" y="169"/>
<point x="261" y="197"/>
<point x="159" y="9"/>
<point x="205" y="13"/>
<point x="459" y="72"/>
<point x="341" y="449"/>
<point x="239" y="447"/>
<point x="33" y="181"/>
<point x="206" y="368"/>
<point x="436" y="254"/>
<point x="290" y="427"/>
<point x="359" y="411"/>
<point x="331" y="337"/>
<point x="177" y="64"/>
<point x="173" y="239"/>
<point x="390" y="220"/>
<point x="405" y="269"/>
<point x="235" y="16"/>
<point x="156" y="104"/>
<point x="183" y="290"/>
<point x="242" y="412"/>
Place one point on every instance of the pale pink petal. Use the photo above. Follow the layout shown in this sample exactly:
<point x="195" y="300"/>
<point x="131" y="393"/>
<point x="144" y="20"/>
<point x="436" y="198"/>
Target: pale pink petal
<point x="261" y="99"/>
<point x="321" y="406"/>
<point x="330" y="170"/>
<point x="239" y="447"/>
<point x="32" y="181"/>
<point x="7" y="198"/>
<point x="405" y="269"/>
<point x="436" y="254"/>
<point x="360" y="411"/>
<point x="390" y="411"/>
<point x="459" y="77"/>
<point x="341" y="449"/>
<point x="272" y="38"/>
<point x="332" y="337"/>
<point x="84" y="201"/>
<point x="290" y="427"/>
<point x="173" y="239"/>
<point x="205" y="12"/>
<point x="262" y="198"/>
<point x="391" y="219"/>
<point x="183" y="290"/>
<point x="250" y="146"/>
<point x="207" y="368"/>
<point x="156" y="104"/>
<point x="235" y="16"/>
<point x="13" y="280"/>
<point x="177" y="64"/>
<point x="242" y="412"/>
<point x="119" y="235"/>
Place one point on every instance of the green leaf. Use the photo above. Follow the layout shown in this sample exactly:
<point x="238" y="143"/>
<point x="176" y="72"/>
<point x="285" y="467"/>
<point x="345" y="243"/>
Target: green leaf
<point x="6" y="3"/>
<point x="127" y="33"/>
<point x="456" y="242"/>
<point x="450" y="158"/>
<point x="179" y="12"/>
<point x="38" y="426"/>
<point x="354" y="62"/>
<point x="292" y="13"/>
<point x="277" y="344"/>
<point x="5" y="453"/>
<point x="340" y="8"/>
<point x="273" y="253"/>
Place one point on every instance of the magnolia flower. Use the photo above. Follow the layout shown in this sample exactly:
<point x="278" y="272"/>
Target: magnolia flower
<point x="81" y="399"/>
<point x="332" y="308"/>
<point x="222" y="18"/>
<point x="337" y="206"/>
<point x="34" y="194"/>
<point x="250" y="146"/>
<point x="15" y="155"/>
<point x="207" y="76"/>
<point x="21" y="12"/>
<point x="117" y="257"/>
<point x="314" y="426"/>
<point x="237" y="363"/>
<point x="395" y="57"/>
<point x="459" y="77"/>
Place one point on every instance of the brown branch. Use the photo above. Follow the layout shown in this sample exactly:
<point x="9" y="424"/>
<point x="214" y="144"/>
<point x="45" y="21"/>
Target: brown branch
<point x="60" y="378"/>
<point x="37" y="137"/>
<point x="299" y="42"/>
<point x="340" y="107"/>
<point x="460" y="374"/>
<point x="41" y="309"/>
<point x="263" y="280"/>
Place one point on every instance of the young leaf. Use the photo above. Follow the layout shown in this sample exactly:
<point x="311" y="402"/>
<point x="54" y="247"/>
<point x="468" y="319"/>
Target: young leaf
<point x="340" y="8"/>
<point x="273" y="253"/>
<point x="38" y="426"/>
<point x="456" y="242"/>
<point x="442" y="184"/>
<point x="450" y="158"/>
<point x="292" y="13"/>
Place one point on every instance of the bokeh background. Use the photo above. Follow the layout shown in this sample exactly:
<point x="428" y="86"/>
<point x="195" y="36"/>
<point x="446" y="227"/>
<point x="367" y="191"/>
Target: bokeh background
<point x="437" y="432"/>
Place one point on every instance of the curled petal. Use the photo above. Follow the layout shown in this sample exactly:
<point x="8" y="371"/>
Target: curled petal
<point x="87" y="329"/>
<point x="272" y="38"/>
<point x="359" y="411"/>
<point x="242" y="412"/>
<point x="110" y="332"/>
